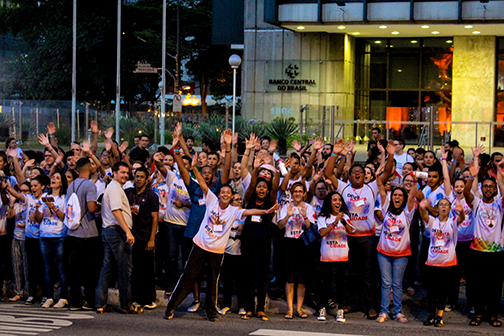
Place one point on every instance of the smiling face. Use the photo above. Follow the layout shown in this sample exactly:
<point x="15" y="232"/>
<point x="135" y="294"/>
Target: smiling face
<point x="266" y="174"/>
<point x="122" y="175"/>
<point x="408" y="182"/>
<point x="397" y="198"/>
<point x="36" y="188"/>
<point x="357" y="176"/>
<point x="56" y="181"/>
<point x="429" y="159"/>
<point x="226" y="195"/>
<point x="488" y="188"/>
<point x="336" y="203"/>
<point x="168" y="161"/>
<point x="261" y="190"/>
<point x="298" y="194"/>
<point x="406" y="169"/>
<point x="458" y="188"/>
<point x="237" y="200"/>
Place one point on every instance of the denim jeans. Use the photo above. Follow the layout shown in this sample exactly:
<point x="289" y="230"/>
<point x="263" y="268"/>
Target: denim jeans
<point x="174" y="238"/>
<point x="392" y="273"/>
<point x="55" y="260"/>
<point x="116" y="252"/>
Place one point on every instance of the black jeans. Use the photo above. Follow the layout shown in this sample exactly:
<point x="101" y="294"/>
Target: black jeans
<point x="175" y="241"/>
<point x="486" y="280"/>
<point x="256" y="258"/>
<point x="438" y="281"/>
<point x="232" y="275"/>
<point x="327" y="271"/>
<point x="5" y="257"/>
<point x="36" y="269"/>
<point x="462" y="250"/>
<point x="143" y="287"/>
<point x="197" y="260"/>
<point x="362" y="261"/>
<point x="86" y="255"/>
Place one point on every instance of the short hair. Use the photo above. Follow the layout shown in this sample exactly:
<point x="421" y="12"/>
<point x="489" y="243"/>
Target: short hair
<point x="144" y="136"/>
<point x="420" y="151"/>
<point x="376" y="129"/>
<point x="413" y="149"/>
<point x="142" y="170"/>
<point x="295" y="156"/>
<point x="117" y="165"/>
<point x="298" y="184"/>
<point x="81" y="163"/>
<point x="265" y="137"/>
<point x="436" y="167"/>
<point x="187" y="157"/>
<point x="136" y="137"/>
<point x="356" y="165"/>
<point x="494" y="154"/>
<point x="401" y="141"/>
<point x="190" y="137"/>
<point x="163" y="149"/>
<point x="42" y="179"/>
<point x="213" y="153"/>
<point x="453" y="143"/>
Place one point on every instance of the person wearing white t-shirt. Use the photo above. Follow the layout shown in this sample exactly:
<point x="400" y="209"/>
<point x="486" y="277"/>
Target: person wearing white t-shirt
<point x="295" y="217"/>
<point x="209" y="245"/>
<point x="360" y="199"/>
<point x="486" y="250"/>
<point x="401" y="156"/>
<point x="333" y="226"/>
<point x="52" y="239"/>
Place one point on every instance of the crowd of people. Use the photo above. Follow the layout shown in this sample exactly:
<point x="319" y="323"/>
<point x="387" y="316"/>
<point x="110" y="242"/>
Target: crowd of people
<point x="357" y="235"/>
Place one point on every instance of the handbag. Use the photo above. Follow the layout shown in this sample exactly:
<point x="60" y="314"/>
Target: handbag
<point x="310" y="235"/>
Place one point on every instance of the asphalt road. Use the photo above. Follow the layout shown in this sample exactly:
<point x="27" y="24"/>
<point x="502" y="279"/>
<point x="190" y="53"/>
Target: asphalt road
<point x="17" y="319"/>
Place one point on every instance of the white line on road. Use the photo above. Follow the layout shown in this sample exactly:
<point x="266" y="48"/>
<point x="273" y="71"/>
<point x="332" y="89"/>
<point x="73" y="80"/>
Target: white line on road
<point x="272" y="332"/>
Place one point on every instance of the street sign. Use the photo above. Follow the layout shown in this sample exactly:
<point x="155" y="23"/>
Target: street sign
<point x="144" y="67"/>
<point x="177" y="103"/>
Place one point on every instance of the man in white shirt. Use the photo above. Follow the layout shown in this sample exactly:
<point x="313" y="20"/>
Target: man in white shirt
<point x="117" y="240"/>
<point x="400" y="155"/>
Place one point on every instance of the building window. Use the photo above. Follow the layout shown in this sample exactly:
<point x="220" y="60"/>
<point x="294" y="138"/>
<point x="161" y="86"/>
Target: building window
<point x="406" y="79"/>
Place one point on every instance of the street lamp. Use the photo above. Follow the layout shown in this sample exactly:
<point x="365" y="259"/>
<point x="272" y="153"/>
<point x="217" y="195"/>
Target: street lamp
<point x="235" y="62"/>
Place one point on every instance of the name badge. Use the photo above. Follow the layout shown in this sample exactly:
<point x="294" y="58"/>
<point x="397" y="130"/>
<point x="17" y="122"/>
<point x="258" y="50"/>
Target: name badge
<point x="217" y="228"/>
<point x="233" y="234"/>
<point x="440" y="243"/>
<point x="256" y="219"/>
<point x="490" y="222"/>
<point x="359" y="202"/>
<point x="201" y="202"/>
<point x="394" y="229"/>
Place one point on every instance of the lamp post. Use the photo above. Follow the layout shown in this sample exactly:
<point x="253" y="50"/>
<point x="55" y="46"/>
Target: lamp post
<point x="235" y="62"/>
<point x="74" y="67"/>
<point x="162" y="84"/>
<point x="118" y="73"/>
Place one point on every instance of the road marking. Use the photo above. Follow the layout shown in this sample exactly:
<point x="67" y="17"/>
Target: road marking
<point x="17" y="320"/>
<point x="272" y="332"/>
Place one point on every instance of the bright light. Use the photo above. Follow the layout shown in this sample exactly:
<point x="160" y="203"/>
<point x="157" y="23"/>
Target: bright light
<point x="413" y="41"/>
<point x="424" y="27"/>
<point x="435" y="33"/>
<point x="449" y="41"/>
<point x="395" y="33"/>
<point x="190" y="100"/>
<point x="468" y="26"/>
<point x="383" y="27"/>
<point x="399" y="70"/>
<point x="476" y="32"/>
<point x="300" y="27"/>
<point x="341" y="27"/>
<point x="377" y="42"/>
<point x="356" y="33"/>
<point x="186" y="87"/>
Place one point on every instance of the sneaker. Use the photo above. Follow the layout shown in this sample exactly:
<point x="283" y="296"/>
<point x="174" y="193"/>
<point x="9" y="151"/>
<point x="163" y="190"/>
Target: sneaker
<point x="322" y="315"/>
<point x="372" y="314"/>
<point x="48" y="303"/>
<point x="449" y="308"/>
<point x="431" y="319"/>
<point x="29" y="301"/>
<point x="75" y="308"/>
<point x="400" y="318"/>
<point x="223" y="311"/>
<point x="195" y="306"/>
<point x="439" y="322"/>
<point x="62" y="303"/>
<point x="151" y="305"/>
<point x="44" y="299"/>
<point x="382" y="317"/>
<point x="242" y="312"/>
<point x="87" y="306"/>
<point x="340" y="316"/>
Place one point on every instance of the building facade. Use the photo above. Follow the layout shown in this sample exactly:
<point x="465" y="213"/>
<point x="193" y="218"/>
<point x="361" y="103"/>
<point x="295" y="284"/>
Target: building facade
<point x="438" y="64"/>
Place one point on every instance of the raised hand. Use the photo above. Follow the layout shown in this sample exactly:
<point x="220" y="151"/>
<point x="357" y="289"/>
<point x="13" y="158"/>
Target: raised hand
<point x="235" y="139"/>
<point x="478" y="150"/>
<point x="302" y="209"/>
<point x="290" y="209"/>
<point x="296" y="145"/>
<point x="259" y="160"/>
<point x="85" y="146"/>
<point x="338" y="219"/>
<point x="257" y="144"/>
<point x="474" y="170"/>
<point x="380" y="147"/>
<point x="424" y="204"/>
<point x="338" y="147"/>
<point x="273" y="145"/>
<point x="444" y="153"/>
<point x="109" y="133"/>
<point x="250" y="143"/>
<point x="228" y="136"/>
<point x="194" y="162"/>
<point x="318" y="143"/>
<point x="158" y="157"/>
<point x="51" y="129"/>
<point x="273" y="209"/>
<point x="123" y="146"/>
<point x="178" y="129"/>
<point x="390" y="148"/>
<point x="108" y="145"/>
<point x="30" y="163"/>
<point x="457" y="153"/>
<point x="43" y="140"/>
<point x="176" y="139"/>
<point x="459" y="207"/>
<point x="94" y="127"/>
<point x="11" y="152"/>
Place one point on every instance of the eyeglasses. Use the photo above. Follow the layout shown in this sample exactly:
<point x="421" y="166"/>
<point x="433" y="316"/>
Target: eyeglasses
<point x="47" y="155"/>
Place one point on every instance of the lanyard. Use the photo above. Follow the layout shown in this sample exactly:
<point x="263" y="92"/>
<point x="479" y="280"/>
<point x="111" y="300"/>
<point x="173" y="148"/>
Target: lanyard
<point x="486" y="210"/>
<point x="441" y="229"/>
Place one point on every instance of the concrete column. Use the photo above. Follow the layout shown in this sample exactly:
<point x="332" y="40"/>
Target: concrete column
<point x="473" y="90"/>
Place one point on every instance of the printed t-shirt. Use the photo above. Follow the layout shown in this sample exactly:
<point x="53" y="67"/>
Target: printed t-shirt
<point x="177" y="190"/>
<point x="51" y="226"/>
<point x="160" y="188"/>
<point x="216" y="225"/>
<point x="434" y="197"/>
<point x="32" y="228"/>
<point x="294" y="227"/>
<point x="401" y="160"/>
<point x="334" y="245"/>
<point x="443" y="241"/>
<point x="317" y="205"/>
<point x="465" y="229"/>
<point x="361" y="205"/>
<point x="198" y="206"/>
<point x="395" y="236"/>
<point x="19" y="232"/>
<point x="4" y="208"/>
<point x="233" y="245"/>
<point x="487" y="225"/>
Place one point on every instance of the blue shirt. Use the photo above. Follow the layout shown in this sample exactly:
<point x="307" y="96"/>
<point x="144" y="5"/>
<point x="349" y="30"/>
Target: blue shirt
<point x="198" y="206"/>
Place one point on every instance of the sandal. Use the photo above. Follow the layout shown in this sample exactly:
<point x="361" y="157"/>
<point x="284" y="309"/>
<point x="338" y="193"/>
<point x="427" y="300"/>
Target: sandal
<point x="494" y="322"/>
<point x="106" y="309"/>
<point x="246" y="316"/>
<point x="288" y="316"/>
<point x="15" y="298"/>
<point x="301" y="314"/>
<point x="476" y="320"/>
<point x="132" y="310"/>
<point x="262" y="316"/>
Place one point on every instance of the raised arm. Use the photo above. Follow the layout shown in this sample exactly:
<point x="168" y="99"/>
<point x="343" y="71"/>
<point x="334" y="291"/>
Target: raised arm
<point x="474" y="170"/>
<point x="158" y="161"/>
<point x="253" y="179"/>
<point x="249" y="146"/>
<point x="228" y="138"/>
<point x="86" y="149"/>
<point x="44" y="141"/>
<point x="423" y="210"/>
<point x="411" y="195"/>
<point x="389" y="164"/>
<point x="94" y="136"/>
<point x="500" y="179"/>
<point x="259" y="212"/>
<point x="460" y="210"/>
<point x="446" y="173"/>
<point x="381" y="185"/>
<point x="201" y="180"/>
<point x="17" y="167"/>
<point x="329" y="172"/>
<point x="51" y="131"/>
<point x="15" y="194"/>
<point x="317" y="145"/>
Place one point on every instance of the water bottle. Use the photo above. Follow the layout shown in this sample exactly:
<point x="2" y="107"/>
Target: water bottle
<point x="419" y="174"/>
<point x="89" y="135"/>
<point x="283" y="170"/>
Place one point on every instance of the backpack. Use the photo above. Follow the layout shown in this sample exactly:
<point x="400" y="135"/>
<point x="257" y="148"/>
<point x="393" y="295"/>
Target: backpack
<point x="73" y="211"/>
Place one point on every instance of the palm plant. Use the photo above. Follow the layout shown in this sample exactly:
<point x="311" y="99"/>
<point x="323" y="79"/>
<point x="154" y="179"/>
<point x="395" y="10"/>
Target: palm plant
<point x="281" y="129"/>
<point x="211" y="129"/>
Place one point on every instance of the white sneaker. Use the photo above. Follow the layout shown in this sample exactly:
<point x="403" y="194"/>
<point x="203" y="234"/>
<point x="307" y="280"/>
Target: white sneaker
<point x="322" y="315"/>
<point x="340" y="316"/>
<point x="195" y="306"/>
<point x="151" y="305"/>
<point x="62" y="303"/>
<point x="223" y="311"/>
<point x="242" y="312"/>
<point x="48" y="303"/>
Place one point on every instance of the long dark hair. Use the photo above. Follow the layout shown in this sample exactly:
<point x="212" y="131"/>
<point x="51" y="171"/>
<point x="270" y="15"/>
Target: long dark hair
<point x="64" y="184"/>
<point x="392" y="209"/>
<point x="326" y="210"/>
<point x="253" y="198"/>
